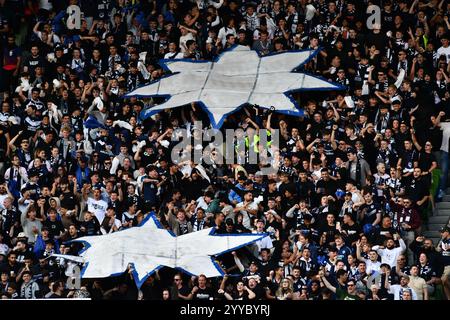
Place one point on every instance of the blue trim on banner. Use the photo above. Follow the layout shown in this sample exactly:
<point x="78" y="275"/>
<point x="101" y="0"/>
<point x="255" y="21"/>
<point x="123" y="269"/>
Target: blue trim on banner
<point x="151" y="215"/>
<point x="165" y="64"/>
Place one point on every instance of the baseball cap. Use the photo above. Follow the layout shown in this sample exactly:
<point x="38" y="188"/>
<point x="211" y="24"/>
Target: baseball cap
<point x="21" y="235"/>
<point x="445" y="229"/>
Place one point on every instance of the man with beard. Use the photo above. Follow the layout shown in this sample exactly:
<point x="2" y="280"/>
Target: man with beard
<point x="390" y="253"/>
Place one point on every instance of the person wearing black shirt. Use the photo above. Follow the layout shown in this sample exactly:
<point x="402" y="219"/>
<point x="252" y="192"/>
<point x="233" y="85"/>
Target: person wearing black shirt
<point x="328" y="229"/>
<point x="305" y="187"/>
<point x="427" y="272"/>
<point x="298" y="281"/>
<point x="151" y="289"/>
<point x="90" y="226"/>
<point x="34" y="60"/>
<point x="408" y="159"/>
<point x="271" y="191"/>
<point x="327" y="205"/>
<point x="350" y="229"/>
<point x="370" y="212"/>
<point x="11" y="266"/>
<point x="427" y="161"/>
<point x="202" y="291"/>
<point x="421" y="245"/>
<point x="55" y="226"/>
<point x="67" y="198"/>
<point x="326" y="185"/>
<point x="385" y="232"/>
<point x="418" y="191"/>
<point x="179" y="290"/>
<point x="57" y="290"/>
<point x="288" y="199"/>
<point x="306" y="264"/>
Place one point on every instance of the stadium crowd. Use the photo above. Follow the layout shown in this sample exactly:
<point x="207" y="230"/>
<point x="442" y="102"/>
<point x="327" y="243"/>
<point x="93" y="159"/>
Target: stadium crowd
<point x="351" y="197"/>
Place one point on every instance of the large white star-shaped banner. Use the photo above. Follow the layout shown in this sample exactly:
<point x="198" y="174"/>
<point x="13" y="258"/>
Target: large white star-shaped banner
<point x="239" y="76"/>
<point x="149" y="246"/>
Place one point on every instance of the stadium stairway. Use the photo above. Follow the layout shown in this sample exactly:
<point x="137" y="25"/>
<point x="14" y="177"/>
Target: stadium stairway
<point x="440" y="217"/>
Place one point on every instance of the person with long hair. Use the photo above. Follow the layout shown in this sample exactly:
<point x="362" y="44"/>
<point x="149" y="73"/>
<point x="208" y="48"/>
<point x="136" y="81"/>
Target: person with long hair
<point x="240" y="291"/>
<point x="285" y="291"/>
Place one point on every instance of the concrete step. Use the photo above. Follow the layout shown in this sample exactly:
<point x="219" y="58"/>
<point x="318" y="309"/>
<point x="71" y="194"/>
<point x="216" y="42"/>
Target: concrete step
<point x="438" y="219"/>
<point x="435" y="226"/>
<point x="446" y="198"/>
<point x="443" y="205"/>
<point x="432" y="234"/>
<point x="443" y="212"/>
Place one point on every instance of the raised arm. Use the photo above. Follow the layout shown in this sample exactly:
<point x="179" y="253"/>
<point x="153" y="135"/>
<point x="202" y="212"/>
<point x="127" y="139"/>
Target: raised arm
<point x="36" y="27"/>
<point x="326" y="283"/>
<point x="13" y="140"/>
<point x="311" y="145"/>
<point x="238" y="261"/>
<point x="358" y="251"/>
<point x="402" y="244"/>
<point x="269" y="118"/>
<point x="411" y="10"/>
<point x="290" y="212"/>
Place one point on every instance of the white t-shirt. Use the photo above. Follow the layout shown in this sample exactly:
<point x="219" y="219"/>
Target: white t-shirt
<point x="97" y="207"/>
<point x="264" y="243"/>
<point x="397" y="291"/>
<point x="445" y="126"/>
<point x="55" y="38"/>
<point x="390" y="256"/>
<point x="223" y="32"/>
<point x="201" y="203"/>
<point x="246" y="221"/>
<point x="183" y="40"/>
<point x="2" y="198"/>
<point x="170" y="55"/>
<point x="45" y="4"/>
<point x="117" y="223"/>
<point x="372" y="266"/>
<point x="445" y="52"/>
